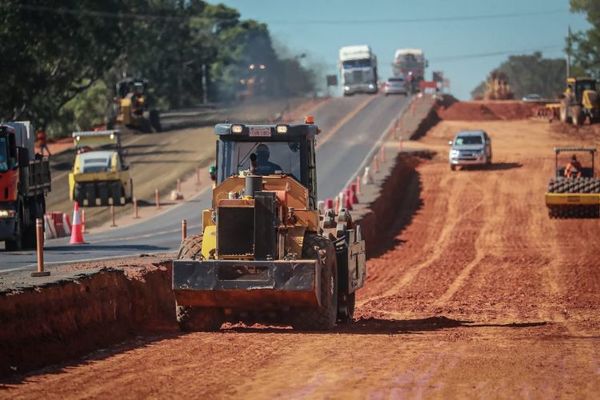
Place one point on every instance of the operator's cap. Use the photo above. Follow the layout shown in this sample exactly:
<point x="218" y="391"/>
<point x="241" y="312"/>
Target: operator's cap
<point x="309" y="119"/>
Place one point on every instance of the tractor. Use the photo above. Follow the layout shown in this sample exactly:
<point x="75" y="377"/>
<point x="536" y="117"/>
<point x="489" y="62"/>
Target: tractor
<point x="580" y="102"/>
<point x="266" y="252"/>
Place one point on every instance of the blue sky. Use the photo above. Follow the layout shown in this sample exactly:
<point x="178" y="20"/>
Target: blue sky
<point x="509" y="27"/>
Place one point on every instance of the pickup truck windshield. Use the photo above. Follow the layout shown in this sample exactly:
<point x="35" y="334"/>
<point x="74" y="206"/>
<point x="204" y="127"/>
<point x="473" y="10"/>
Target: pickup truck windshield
<point x="3" y="155"/>
<point x="463" y="140"/>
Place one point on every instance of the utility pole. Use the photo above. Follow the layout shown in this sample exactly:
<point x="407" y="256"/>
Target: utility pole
<point x="204" y="85"/>
<point x="569" y="49"/>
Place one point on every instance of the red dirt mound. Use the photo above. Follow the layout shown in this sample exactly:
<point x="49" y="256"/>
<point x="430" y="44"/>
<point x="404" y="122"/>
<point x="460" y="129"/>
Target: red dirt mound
<point x="486" y="110"/>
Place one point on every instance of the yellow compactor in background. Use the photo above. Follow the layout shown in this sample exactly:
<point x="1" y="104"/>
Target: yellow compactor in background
<point x="131" y="109"/>
<point x="576" y="196"/>
<point x="100" y="176"/>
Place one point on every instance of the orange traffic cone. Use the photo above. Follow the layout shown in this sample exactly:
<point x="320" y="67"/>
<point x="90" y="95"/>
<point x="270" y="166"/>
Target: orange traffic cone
<point x="76" y="227"/>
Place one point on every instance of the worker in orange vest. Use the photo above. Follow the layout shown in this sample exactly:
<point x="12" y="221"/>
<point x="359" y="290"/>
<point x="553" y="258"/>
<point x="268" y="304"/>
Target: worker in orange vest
<point x="573" y="168"/>
<point x="43" y="141"/>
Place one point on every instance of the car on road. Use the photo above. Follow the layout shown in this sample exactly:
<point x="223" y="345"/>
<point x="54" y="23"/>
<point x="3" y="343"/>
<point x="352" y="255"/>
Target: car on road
<point x="470" y="148"/>
<point x="395" y="85"/>
<point x="532" y="98"/>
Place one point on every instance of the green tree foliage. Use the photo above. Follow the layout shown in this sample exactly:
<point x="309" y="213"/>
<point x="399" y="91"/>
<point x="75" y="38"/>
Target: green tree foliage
<point x="531" y="74"/>
<point x="63" y="58"/>
<point x="585" y="46"/>
<point x="51" y="53"/>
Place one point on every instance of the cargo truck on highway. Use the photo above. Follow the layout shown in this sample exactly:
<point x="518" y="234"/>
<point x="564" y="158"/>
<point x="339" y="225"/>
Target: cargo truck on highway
<point x="24" y="183"/>
<point x="410" y="64"/>
<point x="358" y="69"/>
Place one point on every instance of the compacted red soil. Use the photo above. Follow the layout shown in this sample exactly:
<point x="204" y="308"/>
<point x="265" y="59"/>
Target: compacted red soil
<point x="476" y="294"/>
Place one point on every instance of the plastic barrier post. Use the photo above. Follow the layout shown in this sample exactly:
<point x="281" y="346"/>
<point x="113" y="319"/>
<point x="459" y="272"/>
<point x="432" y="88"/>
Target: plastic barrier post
<point x="39" y="236"/>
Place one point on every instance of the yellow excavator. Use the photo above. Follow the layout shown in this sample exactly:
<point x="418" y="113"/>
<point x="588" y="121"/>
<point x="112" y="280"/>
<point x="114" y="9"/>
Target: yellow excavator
<point x="580" y="102"/>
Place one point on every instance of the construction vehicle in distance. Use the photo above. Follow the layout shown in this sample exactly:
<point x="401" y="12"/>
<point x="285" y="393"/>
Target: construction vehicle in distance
<point x="580" y="102"/>
<point x="100" y="176"/>
<point x="24" y="184"/>
<point x="410" y="64"/>
<point x="576" y="196"/>
<point x="266" y="251"/>
<point x="131" y="109"/>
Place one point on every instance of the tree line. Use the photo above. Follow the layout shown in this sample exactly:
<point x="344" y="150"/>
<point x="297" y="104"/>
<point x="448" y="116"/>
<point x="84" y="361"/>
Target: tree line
<point x="63" y="58"/>
<point x="546" y="77"/>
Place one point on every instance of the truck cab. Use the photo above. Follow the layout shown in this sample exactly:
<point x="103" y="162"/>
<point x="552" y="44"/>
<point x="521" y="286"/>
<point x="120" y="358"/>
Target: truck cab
<point x="358" y="70"/>
<point x="24" y="183"/>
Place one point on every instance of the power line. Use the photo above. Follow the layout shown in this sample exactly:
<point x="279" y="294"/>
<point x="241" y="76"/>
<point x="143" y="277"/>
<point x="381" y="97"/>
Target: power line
<point x="417" y="20"/>
<point x="106" y="14"/>
<point x="492" y="54"/>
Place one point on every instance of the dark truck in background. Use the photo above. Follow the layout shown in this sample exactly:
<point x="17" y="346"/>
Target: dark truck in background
<point x="24" y="184"/>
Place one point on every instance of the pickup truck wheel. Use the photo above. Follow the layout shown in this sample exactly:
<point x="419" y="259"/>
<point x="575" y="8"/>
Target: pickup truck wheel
<point x="323" y="317"/>
<point x="452" y="167"/>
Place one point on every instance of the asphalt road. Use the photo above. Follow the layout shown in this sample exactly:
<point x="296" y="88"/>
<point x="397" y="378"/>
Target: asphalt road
<point x="348" y="137"/>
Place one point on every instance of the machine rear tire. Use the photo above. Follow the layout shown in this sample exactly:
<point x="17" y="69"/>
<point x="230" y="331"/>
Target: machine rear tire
<point x="190" y="318"/>
<point x="323" y="317"/>
<point x="346" y="313"/>
<point x="191" y="248"/>
<point x="578" y="117"/>
<point x="154" y="118"/>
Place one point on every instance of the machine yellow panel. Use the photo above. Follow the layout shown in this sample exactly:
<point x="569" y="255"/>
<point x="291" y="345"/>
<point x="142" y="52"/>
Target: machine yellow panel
<point x="209" y="241"/>
<point x="207" y="218"/>
<point x="572" y="199"/>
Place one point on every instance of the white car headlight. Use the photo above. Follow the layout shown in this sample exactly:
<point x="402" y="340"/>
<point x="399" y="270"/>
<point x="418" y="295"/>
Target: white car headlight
<point x="7" y="213"/>
<point x="346" y="88"/>
<point x="454" y="153"/>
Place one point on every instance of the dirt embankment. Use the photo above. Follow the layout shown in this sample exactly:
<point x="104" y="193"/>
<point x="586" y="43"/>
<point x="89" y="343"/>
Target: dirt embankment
<point x="486" y="110"/>
<point x="60" y="320"/>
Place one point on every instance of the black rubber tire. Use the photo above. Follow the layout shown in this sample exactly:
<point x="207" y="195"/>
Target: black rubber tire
<point x="577" y="117"/>
<point x="346" y="313"/>
<point x="154" y="118"/>
<point x="17" y="243"/>
<point x="130" y="198"/>
<point x="189" y="318"/>
<point x="116" y="190"/>
<point x="191" y="248"/>
<point x="323" y="317"/>
<point x="452" y="167"/>
<point x="564" y="112"/>
<point x="103" y="193"/>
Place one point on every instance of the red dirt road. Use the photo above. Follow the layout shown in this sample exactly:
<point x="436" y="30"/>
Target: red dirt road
<point x="478" y="295"/>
